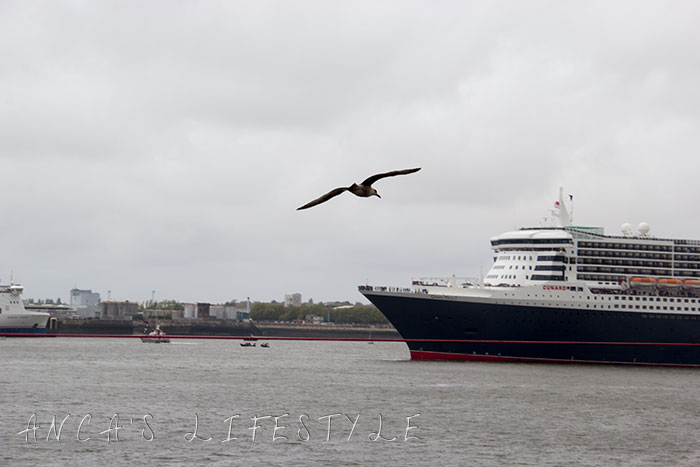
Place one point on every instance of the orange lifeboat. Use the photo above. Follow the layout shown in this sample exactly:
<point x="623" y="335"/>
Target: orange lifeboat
<point x="692" y="283"/>
<point x="670" y="283"/>
<point x="642" y="282"/>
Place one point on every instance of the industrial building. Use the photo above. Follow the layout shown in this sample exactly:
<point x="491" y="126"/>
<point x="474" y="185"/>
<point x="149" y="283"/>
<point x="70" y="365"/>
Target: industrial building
<point x="85" y="303"/>
<point x="196" y="310"/>
<point x="292" y="299"/>
<point x="206" y="310"/>
<point x="118" y="310"/>
<point x="228" y="312"/>
<point x="80" y="297"/>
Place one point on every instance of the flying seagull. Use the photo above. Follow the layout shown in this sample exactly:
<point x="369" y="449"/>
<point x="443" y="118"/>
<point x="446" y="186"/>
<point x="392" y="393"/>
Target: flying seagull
<point x="364" y="189"/>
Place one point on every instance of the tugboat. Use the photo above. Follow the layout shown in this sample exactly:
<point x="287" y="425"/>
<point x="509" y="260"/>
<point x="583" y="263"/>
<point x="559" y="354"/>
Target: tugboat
<point x="157" y="336"/>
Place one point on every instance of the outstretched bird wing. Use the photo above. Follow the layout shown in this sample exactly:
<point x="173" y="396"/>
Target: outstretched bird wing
<point x="323" y="198"/>
<point x="393" y="173"/>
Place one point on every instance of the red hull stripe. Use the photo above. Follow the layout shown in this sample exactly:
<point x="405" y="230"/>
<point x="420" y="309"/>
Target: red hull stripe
<point x="422" y="355"/>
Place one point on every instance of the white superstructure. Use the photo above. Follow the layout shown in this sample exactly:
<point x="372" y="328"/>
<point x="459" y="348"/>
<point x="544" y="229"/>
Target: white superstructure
<point x="13" y="316"/>
<point x="582" y="268"/>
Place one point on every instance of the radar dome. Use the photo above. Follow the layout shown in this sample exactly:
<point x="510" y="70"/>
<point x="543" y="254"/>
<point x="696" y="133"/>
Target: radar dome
<point x="626" y="228"/>
<point x="643" y="228"/>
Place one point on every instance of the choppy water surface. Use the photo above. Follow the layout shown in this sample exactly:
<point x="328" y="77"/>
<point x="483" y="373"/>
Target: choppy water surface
<point x="469" y="413"/>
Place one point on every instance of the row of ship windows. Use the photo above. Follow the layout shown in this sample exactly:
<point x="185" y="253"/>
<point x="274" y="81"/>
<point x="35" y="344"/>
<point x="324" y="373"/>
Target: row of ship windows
<point x="583" y="254"/>
<point x="518" y="241"/>
<point x="546" y="267"/>
<point x="617" y="278"/>
<point x="625" y="307"/>
<point x="539" y="258"/>
<point x="609" y="298"/>
<point x="622" y="270"/>
<point x="634" y="260"/>
<point x="651" y="299"/>
<point x="591" y="314"/>
<point x="660" y="264"/>
<point x="520" y="249"/>
<point x="625" y="254"/>
<point x="630" y="246"/>
<point x="591" y="277"/>
<point x="610" y="246"/>
<point x="631" y="298"/>
<point x="534" y="277"/>
<point x="630" y="307"/>
<point x="629" y="262"/>
<point x="644" y="307"/>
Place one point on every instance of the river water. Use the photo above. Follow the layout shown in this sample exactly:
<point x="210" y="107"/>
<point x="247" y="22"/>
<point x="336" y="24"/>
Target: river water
<point x="319" y="403"/>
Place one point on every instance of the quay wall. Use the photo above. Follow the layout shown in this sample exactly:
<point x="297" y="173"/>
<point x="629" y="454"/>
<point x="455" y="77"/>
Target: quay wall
<point x="215" y="327"/>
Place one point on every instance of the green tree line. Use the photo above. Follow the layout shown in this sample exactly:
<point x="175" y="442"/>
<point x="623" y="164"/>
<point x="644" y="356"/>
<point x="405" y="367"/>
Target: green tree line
<point x="361" y="314"/>
<point x="164" y="305"/>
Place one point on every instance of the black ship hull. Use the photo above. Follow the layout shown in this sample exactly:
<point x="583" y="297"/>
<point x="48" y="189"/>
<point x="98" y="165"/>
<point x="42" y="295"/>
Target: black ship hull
<point x="459" y="329"/>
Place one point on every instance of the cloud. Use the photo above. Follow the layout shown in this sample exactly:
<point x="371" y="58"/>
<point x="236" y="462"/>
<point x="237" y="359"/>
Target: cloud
<point x="167" y="146"/>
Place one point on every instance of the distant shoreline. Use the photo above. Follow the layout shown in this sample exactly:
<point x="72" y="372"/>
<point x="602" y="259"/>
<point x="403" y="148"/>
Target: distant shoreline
<point x="227" y="328"/>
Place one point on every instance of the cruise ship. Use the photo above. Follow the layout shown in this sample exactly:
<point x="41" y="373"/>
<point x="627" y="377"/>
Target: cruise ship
<point x="14" y="319"/>
<point x="564" y="293"/>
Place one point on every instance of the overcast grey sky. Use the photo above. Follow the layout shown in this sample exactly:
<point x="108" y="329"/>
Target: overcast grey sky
<point x="166" y="145"/>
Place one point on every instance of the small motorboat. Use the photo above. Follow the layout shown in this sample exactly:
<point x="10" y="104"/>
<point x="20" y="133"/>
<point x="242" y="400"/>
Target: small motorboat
<point x="265" y="344"/>
<point x="247" y="344"/>
<point x="157" y="336"/>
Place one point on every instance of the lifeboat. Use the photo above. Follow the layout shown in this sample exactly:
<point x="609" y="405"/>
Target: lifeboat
<point x="670" y="283"/>
<point x="636" y="282"/>
<point x="692" y="283"/>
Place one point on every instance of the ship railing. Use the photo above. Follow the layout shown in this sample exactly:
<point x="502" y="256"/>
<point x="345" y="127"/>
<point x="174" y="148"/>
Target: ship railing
<point x="376" y="288"/>
<point x="451" y="281"/>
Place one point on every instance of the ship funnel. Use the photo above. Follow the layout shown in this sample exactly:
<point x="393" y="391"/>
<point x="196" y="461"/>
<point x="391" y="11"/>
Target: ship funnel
<point x="563" y="213"/>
